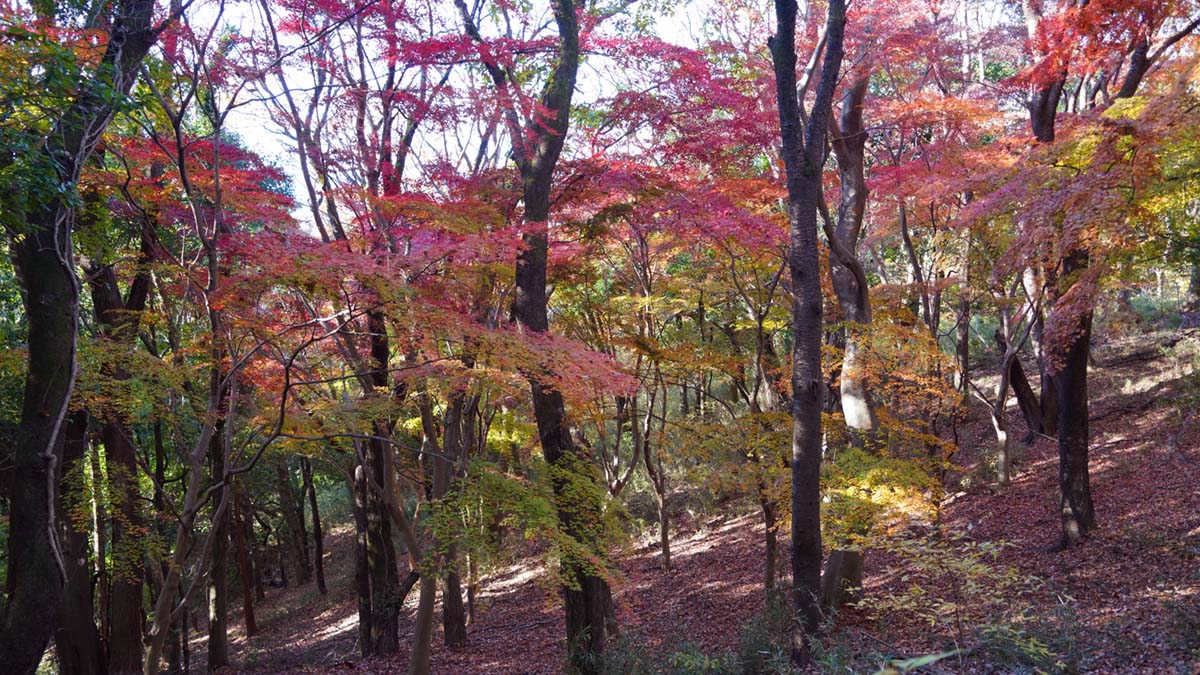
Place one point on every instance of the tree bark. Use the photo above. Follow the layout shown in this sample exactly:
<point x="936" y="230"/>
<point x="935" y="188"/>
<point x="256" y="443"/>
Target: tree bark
<point x="1071" y="388"/>
<point x="244" y="568"/>
<point x="587" y="596"/>
<point x="803" y="158"/>
<point x="362" y="580"/>
<point x="118" y="319"/>
<point x="1027" y="400"/>
<point x="218" y="579"/>
<point x="454" y="618"/>
<point x="294" y="550"/>
<point x="43" y="258"/>
<point x="318" y="534"/>
<point x="76" y="639"/>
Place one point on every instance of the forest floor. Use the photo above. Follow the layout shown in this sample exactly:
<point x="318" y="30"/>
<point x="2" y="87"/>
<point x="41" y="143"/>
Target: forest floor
<point x="1125" y="602"/>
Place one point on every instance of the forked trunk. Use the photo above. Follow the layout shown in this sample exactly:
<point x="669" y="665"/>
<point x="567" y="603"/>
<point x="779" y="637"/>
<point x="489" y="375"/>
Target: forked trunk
<point x="803" y="157"/>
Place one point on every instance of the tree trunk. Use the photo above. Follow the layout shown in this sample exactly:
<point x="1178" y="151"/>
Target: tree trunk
<point x="472" y="587"/>
<point x="842" y="582"/>
<point x="423" y="627"/>
<point x="36" y="568"/>
<point x="318" y="534"/>
<point x="454" y="615"/>
<point x="126" y="615"/>
<point x="100" y="545"/>
<point x="293" y="534"/>
<point x="244" y="567"/>
<point x="381" y="561"/>
<point x="1071" y="387"/>
<point x="803" y="157"/>
<point x="535" y="150"/>
<point x="218" y="578"/>
<point x="43" y="258"/>
<point x="1027" y="400"/>
<point x="454" y="618"/>
<point x="76" y="640"/>
<point x="770" y="520"/>
<point x="842" y="578"/>
<point x="362" y="579"/>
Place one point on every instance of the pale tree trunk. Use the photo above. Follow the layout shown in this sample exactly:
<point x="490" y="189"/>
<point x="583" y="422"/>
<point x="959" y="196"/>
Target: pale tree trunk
<point x="165" y="610"/>
<point x="842" y="579"/>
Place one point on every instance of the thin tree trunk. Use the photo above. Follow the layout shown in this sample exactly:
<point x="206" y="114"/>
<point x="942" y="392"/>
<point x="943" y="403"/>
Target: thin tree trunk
<point x="293" y="534"/>
<point x="100" y="544"/>
<point x="244" y="568"/>
<point x="218" y="580"/>
<point x="771" y="521"/>
<point x="318" y="533"/>
<point x="454" y="618"/>
<point x="1027" y="401"/>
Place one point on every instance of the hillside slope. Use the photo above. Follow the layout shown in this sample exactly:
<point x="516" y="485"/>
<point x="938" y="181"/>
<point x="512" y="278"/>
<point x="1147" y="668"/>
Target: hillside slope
<point x="1127" y="601"/>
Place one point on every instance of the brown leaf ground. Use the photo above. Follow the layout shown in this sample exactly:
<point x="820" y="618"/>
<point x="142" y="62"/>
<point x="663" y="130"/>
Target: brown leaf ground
<point x="1128" y="588"/>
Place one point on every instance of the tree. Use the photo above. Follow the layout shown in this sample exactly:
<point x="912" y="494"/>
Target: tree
<point x="535" y="150"/>
<point x="39" y="227"/>
<point x="803" y="157"/>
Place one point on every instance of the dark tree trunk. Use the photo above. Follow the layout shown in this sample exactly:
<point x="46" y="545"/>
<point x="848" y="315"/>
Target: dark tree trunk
<point x="362" y="579"/>
<point x="381" y="553"/>
<point x="118" y="319"/>
<point x="454" y="615"/>
<point x="43" y="258"/>
<point x="381" y="562"/>
<point x="318" y="534"/>
<point x="244" y="568"/>
<point x="293" y="533"/>
<point x="1027" y="401"/>
<point x="454" y="618"/>
<point x="590" y="619"/>
<point x="35" y="563"/>
<point x="126" y="613"/>
<point x="1071" y="388"/>
<point x="803" y="158"/>
<point x="76" y="639"/>
<point x="771" y="521"/>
